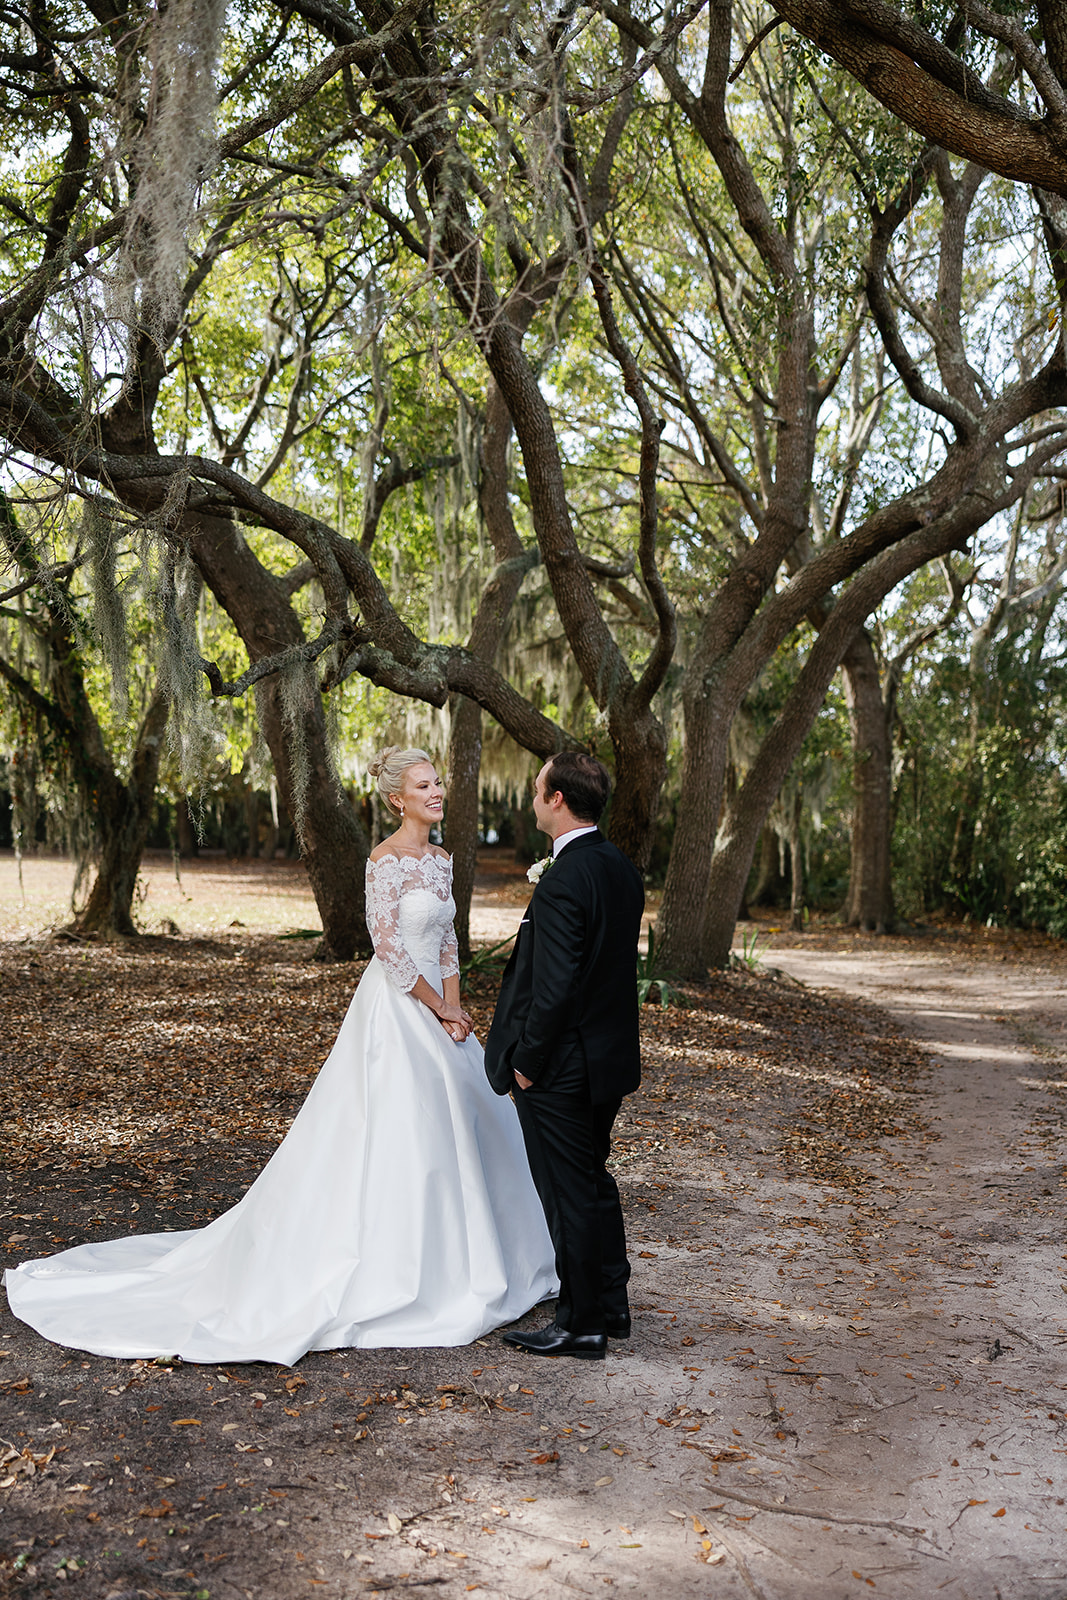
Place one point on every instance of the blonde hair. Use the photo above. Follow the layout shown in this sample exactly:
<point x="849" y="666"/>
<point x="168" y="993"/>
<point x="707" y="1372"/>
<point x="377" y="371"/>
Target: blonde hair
<point x="388" y="769"/>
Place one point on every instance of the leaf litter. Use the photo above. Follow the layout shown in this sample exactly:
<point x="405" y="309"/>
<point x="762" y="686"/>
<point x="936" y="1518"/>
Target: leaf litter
<point x="152" y="1081"/>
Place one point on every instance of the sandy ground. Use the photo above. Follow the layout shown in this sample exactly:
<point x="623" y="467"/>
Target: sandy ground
<point x="964" y="1263"/>
<point x="830" y="1389"/>
<point x="880" y="1394"/>
<point x="202" y="897"/>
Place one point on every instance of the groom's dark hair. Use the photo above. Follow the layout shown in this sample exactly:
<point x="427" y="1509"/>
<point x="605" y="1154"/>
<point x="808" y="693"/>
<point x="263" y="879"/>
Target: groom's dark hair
<point x="582" y="780"/>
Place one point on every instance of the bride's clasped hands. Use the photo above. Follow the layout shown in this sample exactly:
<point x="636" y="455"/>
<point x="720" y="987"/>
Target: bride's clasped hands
<point x="420" y="807"/>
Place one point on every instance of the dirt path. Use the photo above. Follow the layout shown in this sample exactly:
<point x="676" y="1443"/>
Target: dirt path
<point x="847" y="1372"/>
<point x="967" y="1278"/>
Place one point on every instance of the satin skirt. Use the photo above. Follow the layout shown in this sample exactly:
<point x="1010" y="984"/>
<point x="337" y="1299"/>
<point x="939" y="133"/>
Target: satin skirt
<point x="399" y="1211"/>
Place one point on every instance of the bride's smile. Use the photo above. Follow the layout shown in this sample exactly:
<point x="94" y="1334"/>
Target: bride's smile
<point x="421" y="799"/>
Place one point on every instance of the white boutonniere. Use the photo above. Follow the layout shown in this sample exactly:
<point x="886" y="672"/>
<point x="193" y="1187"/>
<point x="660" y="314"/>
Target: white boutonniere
<point x="539" y="868"/>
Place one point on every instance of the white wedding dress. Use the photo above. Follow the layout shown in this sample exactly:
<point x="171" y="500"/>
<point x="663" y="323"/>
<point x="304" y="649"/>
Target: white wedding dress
<point x="398" y="1211"/>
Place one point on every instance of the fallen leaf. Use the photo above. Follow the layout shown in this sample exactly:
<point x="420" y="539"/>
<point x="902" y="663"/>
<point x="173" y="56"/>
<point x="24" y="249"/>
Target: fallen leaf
<point x="24" y="1463"/>
<point x="602" y="1483"/>
<point x="163" y="1509"/>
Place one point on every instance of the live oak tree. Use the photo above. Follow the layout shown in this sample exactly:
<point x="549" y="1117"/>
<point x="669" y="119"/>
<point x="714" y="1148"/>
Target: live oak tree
<point x="406" y="193"/>
<point x="989" y="417"/>
<point x="135" y="154"/>
<point x="979" y="795"/>
<point x="67" y="215"/>
<point x="108" y="793"/>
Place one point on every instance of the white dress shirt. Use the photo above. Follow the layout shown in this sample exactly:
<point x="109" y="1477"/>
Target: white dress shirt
<point x="575" y="833"/>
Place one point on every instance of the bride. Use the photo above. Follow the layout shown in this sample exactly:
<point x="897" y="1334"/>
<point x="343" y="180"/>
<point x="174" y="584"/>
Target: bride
<point x="399" y="1209"/>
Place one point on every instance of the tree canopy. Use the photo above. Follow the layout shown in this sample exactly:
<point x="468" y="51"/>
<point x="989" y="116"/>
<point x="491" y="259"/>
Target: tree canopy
<point x="586" y="369"/>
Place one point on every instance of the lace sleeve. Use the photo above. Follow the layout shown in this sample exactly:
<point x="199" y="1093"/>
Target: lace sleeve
<point x="449" y="943"/>
<point x="384" y="881"/>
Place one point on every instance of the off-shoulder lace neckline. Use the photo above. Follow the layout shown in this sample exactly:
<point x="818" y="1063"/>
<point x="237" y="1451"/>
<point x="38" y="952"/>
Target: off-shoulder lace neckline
<point x="392" y="855"/>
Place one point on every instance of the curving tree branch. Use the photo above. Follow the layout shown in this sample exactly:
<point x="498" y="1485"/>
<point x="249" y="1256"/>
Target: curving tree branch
<point x="930" y="88"/>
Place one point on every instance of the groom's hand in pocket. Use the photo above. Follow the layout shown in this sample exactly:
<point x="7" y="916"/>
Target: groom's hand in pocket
<point x="523" y="1083"/>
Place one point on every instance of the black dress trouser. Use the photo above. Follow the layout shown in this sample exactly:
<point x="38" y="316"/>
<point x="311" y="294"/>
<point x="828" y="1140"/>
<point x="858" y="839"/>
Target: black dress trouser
<point x="567" y="1142"/>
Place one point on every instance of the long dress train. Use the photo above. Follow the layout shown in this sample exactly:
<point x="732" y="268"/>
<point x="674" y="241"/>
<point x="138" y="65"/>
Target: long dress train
<point x="398" y="1211"/>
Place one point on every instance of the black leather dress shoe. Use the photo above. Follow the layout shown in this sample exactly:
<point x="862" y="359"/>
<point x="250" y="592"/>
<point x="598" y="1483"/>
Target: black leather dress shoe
<point x="556" y="1341"/>
<point x="617" y="1327"/>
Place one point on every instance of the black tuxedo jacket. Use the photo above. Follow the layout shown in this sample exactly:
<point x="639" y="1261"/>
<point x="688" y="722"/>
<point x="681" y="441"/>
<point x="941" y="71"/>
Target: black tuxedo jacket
<point x="572" y="977"/>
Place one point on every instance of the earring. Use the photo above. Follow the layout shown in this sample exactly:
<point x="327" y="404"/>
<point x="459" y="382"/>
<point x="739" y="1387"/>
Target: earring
<point x="401" y="810"/>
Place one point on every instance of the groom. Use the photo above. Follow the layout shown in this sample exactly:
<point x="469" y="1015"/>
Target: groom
<point x="565" y="1039"/>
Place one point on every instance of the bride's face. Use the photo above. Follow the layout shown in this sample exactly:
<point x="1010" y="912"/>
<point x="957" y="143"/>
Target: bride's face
<point x="422" y="794"/>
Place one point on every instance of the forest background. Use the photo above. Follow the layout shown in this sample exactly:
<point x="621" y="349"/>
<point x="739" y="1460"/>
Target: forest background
<point x="505" y="378"/>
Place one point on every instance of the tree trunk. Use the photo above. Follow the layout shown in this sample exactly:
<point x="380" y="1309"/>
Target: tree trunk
<point x="123" y="828"/>
<point x="638" y="739"/>
<point x="487" y="633"/>
<point x="463" y="804"/>
<point x="119" y="813"/>
<point x="745" y="815"/>
<point x="24" y="800"/>
<point x="123" y="816"/>
<point x="640" y="747"/>
<point x="770" y="884"/>
<point x="680" y="929"/>
<point x="530" y="843"/>
<point x="796" y="894"/>
<point x="251" y="799"/>
<point x="869" y="904"/>
<point x="188" y="845"/>
<point x="333" y="845"/>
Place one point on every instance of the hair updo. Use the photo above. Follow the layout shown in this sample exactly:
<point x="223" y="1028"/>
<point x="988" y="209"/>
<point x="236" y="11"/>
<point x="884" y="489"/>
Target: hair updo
<point x="388" y="769"/>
